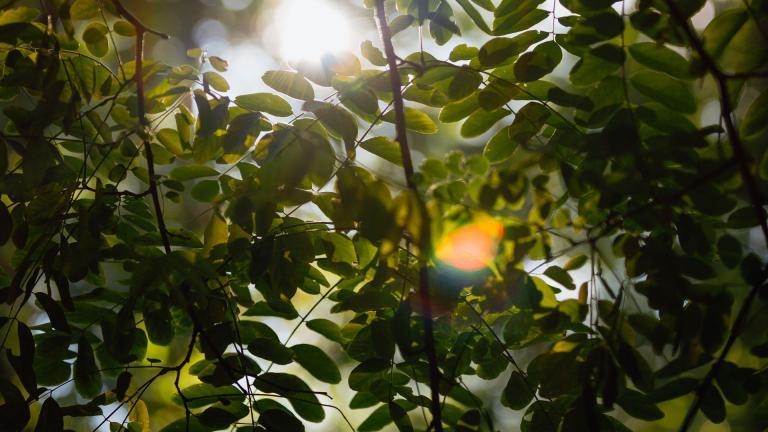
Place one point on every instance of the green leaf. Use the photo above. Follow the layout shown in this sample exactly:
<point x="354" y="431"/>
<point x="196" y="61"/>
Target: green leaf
<point x="50" y="418"/>
<point x="523" y="16"/>
<point x="560" y="276"/>
<point x="271" y="349"/>
<point x="721" y="30"/>
<point x="712" y="405"/>
<point x="340" y="122"/>
<point x="502" y="50"/>
<point x="205" y="191"/>
<point x="54" y="311"/>
<point x="500" y="147"/>
<point x="327" y="328"/>
<point x="659" y="57"/>
<point x="415" y="120"/>
<point x="383" y="148"/>
<point x="189" y="172"/>
<point x="597" y="64"/>
<point x="218" y="63"/>
<point x="463" y="52"/>
<point x="87" y="375"/>
<point x="639" y="406"/>
<point x="317" y="363"/>
<point x="301" y="397"/>
<point x="516" y="395"/>
<point x="84" y="9"/>
<point x="95" y="38"/>
<point x="215" y="80"/>
<point x="755" y="121"/>
<point x="376" y="420"/>
<point x="575" y="263"/>
<point x="265" y="102"/>
<point x="539" y="62"/>
<point x="475" y="15"/>
<point x="481" y="121"/>
<point x="456" y="111"/>
<point x="171" y="140"/>
<point x="671" y="92"/>
<point x="274" y="420"/>
<point x="372" y="54"/>
<point x="21" y="14"/>
<point x="292" y="84"/>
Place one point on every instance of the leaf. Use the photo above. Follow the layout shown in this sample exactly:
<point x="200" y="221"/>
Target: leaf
<point x="271" y="349"/>
<point x="415" y="120"/>
<point x="597" y="64"/>
<point x="292" y="84"/>
<point x="265" y="102"/>
<point x="276" y="420"/>
<point x="205" y="191"/>
<point x="87" y="375"/>
<point x="456" y="111"/>
<point x="301" y="397"/>
<point x="475" y="15"/>
<point x="337" y="119"/>
<point x="171" y="140"/>
<point x="729" y="250"/>
<point x="639" y="406"/>
<point x="712" y="405"/>
<point x="523" y="17"/>
<point x="501" y="50"/>
<point x="575" y="263"/>
<point x="21" y="14"/>
<point x="376" y="421"/>
<point x="54" y="311"/>
<point x="317" y="363"/>
<point x="660" y="58"/>
<point x="218" y="63"/>
<point x="672" y="93"/>
<point x="14" y="413"/>
<point x="755" y="121"/>
<point x="383" y="148"/>
<point x="560" y="276"/>
<point x="327" y="328"/>
<point x="190" y="172"/>
<point x="721" y="30"/>
<point x="84" y="9"/>
<point x="50" y="418"/>
<point x="481" y="121"/>
<point x="95" y="38"/>
<point x="539" y="62"/>
<point x="6" y="224"/>
<point x="516" y="395"/>
<point x="372" y="54"/>
<point x="218" y="82"/>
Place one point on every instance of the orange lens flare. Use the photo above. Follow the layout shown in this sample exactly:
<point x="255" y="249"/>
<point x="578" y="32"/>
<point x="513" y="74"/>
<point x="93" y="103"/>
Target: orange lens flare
<point x="471" y="247"/>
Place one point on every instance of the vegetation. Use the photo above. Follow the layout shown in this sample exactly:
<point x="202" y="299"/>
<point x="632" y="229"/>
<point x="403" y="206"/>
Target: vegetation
<point x="604" y="254"/>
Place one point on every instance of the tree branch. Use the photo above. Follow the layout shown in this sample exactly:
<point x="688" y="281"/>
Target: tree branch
<point x="425" y="243"/>
<point x="742" y="158"/>
<point x="138" y="77"/>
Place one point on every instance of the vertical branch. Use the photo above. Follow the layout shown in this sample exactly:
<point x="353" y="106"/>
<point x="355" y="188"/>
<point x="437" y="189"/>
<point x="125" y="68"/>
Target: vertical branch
<point x="742" y="159"/>
<point x="138" y="77"/>
<point x="425" y="243"/>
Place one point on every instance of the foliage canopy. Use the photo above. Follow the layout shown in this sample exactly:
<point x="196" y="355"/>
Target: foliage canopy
<point x="619" y="200"/>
